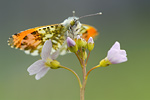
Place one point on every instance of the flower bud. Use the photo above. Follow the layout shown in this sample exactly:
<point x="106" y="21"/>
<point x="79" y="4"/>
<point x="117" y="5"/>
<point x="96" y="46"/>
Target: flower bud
<point x="71" y="45"/>
<point x="84" y="44"/>
<point x="90" y="44"/>
<point x="81" y="43"/>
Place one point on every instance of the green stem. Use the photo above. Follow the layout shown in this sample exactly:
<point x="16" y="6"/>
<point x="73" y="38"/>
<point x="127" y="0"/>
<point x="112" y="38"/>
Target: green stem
<point x="79" y="59"/>
<point x="87" y="57"/>
<point x="82" y="90"/>
<point x="91" y="70"/>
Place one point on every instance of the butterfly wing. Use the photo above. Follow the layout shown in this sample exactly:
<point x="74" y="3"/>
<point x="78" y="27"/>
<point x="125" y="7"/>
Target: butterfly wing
<point x="32" y="40"/>
<point x="88" y="31"/>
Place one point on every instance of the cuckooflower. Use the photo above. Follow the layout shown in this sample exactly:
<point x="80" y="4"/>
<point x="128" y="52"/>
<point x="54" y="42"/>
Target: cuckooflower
<point x="41" y="67"/>
<point x="114" y="56"/>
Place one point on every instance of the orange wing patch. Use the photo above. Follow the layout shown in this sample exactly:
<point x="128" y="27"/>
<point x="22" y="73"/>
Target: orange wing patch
<point x="28" y="38"/>
<point x="90" y="32"/>
<point x="31" y="41"/>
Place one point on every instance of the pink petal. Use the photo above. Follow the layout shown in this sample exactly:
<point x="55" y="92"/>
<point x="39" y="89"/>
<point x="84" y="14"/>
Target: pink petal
<point x="123" y="59"/>
<point x="55" y="55"/>
<point x="46" y="50"/>
<point x="116" y="46"/>
<point x="115" y="55"/>
<point x="78" y="37"/>
<point x="90" y="40"/>
<point x="112" y="53"/>
<point x="41" y="73"/>
<point x="35" y="67"/>
<point x="70" y="42"/>
<point x="117" y="58"/>
<point x="123" y="52"/>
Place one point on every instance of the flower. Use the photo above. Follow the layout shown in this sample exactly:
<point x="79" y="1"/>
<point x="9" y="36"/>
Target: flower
<point x="90" y="44"/>
<point x="114" y="56"/>
<point x="41" y="67"/>
<point x="71" y="45"/>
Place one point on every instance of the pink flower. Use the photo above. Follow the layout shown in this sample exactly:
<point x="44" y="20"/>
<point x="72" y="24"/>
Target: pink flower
<point x="115" y="55"/>
<point x="41" y="67"/>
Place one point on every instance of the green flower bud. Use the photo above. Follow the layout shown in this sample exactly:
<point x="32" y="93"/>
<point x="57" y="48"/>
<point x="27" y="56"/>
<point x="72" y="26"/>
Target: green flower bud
<point x="90" y="44"/>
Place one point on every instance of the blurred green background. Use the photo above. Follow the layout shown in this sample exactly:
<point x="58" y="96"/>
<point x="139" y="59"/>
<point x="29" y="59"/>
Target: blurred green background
<point x="126" y="21"/>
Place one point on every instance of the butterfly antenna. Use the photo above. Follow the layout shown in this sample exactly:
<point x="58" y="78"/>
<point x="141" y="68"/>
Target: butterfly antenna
<point x="73" y="12"/>
<point x="100" y="13"/>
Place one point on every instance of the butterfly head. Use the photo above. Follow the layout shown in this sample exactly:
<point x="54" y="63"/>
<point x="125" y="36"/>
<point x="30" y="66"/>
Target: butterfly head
<point x="73" y="26"/>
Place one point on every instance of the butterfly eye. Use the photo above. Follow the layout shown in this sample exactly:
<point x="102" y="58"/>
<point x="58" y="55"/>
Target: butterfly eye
<point x="75" y="22"/>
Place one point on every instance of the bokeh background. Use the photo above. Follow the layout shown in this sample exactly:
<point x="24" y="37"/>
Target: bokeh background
<point x="126" y="21"/>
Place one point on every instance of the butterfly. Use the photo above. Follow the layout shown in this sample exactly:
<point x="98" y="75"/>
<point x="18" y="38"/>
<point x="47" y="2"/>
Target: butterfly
<point x="32" y="40"/>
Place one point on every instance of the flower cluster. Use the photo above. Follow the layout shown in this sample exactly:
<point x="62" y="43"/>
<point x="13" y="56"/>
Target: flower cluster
<point x="114" y="56"/>
<point x="78" y="46"/>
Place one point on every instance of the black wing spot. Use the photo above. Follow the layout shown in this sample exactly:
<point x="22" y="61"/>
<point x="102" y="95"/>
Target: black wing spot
<point x="16" y="34"/>
<point x="48" y="28"/>
<point x="25" y="38"/>
<point x="33" y="33"/>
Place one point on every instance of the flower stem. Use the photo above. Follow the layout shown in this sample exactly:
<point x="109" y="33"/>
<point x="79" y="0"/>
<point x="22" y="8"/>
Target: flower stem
<point x="82" y="93"/>
<point x="91" y="70"/>
<point x="87" y="57"/>
<point x="82" y="90"/>
<point x="73" y="73"/>
<point x="79" y="59"/>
